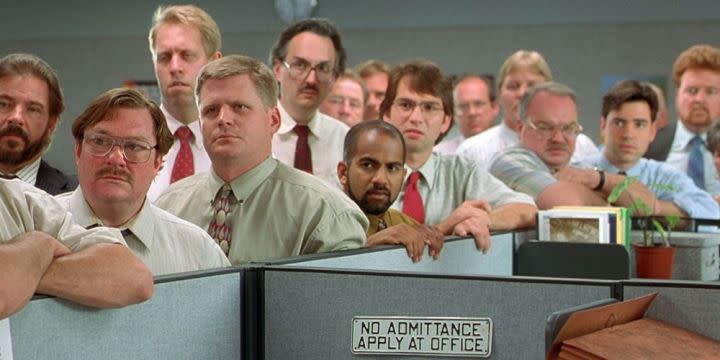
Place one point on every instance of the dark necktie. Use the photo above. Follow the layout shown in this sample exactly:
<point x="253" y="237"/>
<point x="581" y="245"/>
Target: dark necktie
<point x="412" y="202"/>
<point x="303" y="159"/>
<point x="183" y="166"/>
<point x="220" y="227"/>
<point x="696" y="165"/>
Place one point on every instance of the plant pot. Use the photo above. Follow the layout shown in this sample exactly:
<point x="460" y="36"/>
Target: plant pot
<point x="654" y="262"/>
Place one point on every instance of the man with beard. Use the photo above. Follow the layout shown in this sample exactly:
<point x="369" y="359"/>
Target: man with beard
<point x="182" y="39"/>
<point x="307" y="59"/>
<point x="696" y="75"/>
<point x="258" y="207"/>
<point x="120" y="140"/>
<point x="31" y="102"/>
<point x="372" y="174"/>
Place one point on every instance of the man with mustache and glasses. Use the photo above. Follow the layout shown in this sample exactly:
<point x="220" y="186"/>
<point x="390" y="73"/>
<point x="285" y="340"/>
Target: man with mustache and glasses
<point x="31" y="102"/>
<point x="548" y="129"/>
<point x="628" y="110"/>
<point x="182" y="39"/>
<point x="372" y="173"/>
<point x="696" y="76"/>
<point x="120" y="140"/>
<point x="449" y="192"/>
<point x="307" y="59"/>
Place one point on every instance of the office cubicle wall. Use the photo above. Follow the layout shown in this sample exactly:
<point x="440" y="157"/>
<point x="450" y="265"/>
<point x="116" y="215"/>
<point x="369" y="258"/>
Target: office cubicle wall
<point x="190" y="316"/>
<point x="458" y="256"/>
<point x="692" y="305"/>
<point x="307" y="313"/>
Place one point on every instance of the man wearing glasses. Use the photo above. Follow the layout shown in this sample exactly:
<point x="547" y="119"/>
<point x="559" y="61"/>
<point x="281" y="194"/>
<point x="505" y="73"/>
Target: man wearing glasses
<point x="306" y="59"/>
<point x="447" y="191"/>
<point x="120" y="140"/>
<point x="548" y="129"/>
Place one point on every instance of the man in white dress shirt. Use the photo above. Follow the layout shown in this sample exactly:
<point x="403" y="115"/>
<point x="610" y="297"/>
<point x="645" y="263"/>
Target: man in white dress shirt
<point x="696" y="75"/>
<point x="306" y="59"/>
<point x="120" y="140"/>
<point x="475" y="110"/>
<point x="519" y="72"/>
<point x="182" y="39"/>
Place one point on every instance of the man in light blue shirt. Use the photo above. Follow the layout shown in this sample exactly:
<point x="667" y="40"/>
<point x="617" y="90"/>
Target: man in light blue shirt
<point x="628" y="111"/>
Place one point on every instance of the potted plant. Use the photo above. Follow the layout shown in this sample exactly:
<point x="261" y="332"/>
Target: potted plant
<point x="653" y="258"/>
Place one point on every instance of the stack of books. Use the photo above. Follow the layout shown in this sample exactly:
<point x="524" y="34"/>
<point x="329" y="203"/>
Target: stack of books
<point x="589" y="224"/>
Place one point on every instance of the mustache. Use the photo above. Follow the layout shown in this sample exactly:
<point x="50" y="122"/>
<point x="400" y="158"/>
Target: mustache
<point x="16" y="131"/>
<point x="379" y="189"/>
<point x="114" y="171"/>
<point x="309" y="87"/>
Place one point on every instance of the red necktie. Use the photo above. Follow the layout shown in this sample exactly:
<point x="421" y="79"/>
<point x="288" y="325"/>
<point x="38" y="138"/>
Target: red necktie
<point x="303" y="160"/>
<point x="412" y="202"/>
<point x="183" y="166"/>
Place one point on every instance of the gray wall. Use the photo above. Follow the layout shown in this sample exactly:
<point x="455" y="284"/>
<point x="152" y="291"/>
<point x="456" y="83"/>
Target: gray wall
<point x="95" y="46"/>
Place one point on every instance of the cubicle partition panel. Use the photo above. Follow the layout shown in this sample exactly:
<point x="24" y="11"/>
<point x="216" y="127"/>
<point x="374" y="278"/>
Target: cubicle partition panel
<point x="313" y="313"/>
<point x="458" y="256"/>
<point x="692" y="305"/>
<point x="190" y="316"/>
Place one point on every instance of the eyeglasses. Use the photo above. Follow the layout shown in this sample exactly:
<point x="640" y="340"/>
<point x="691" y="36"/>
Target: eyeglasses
<point x="300" y="69"/>
<point x="427" y="108"/>
<point x="545" y="132"/>
<point x="340" y="100"/>
<point x="134" y="151"/>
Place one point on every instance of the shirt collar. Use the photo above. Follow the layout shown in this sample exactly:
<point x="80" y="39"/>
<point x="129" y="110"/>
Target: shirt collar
<point x="244" y="185"/>
<point x="427" y="170"/>
<point x="506" y="132"/>
<point x="29" y="173"/>
<point x="174" y="124"/>
<point x="141" y="225"/>
<point x="635" y="170"/>
<point x="683" y="136"/>
<point x="287" y="123"/>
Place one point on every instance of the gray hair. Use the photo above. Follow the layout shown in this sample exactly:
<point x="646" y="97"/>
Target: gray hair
<point x="553" y="88"/>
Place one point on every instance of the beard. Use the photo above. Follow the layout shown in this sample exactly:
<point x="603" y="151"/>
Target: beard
<point x="14" y="153"/>
<point x="367" y="206"/>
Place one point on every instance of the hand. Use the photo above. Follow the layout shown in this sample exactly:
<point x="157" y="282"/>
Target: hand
<point x="468" y="209"/>
<point x="434" y="239"/>
<point x="587" y="177"/>
<point x="412" y="237"/>
<point x="479" y="228"/>
<point x="42" y="242"/>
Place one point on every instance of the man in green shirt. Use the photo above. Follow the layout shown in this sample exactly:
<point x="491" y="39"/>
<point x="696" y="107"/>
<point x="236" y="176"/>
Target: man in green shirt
<point x="261" y="208"/>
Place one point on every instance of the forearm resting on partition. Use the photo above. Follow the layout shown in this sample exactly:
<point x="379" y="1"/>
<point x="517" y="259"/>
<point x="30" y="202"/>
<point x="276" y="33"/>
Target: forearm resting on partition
<point x="513" y="216"/>
<point x="102" y="275"/>
<point x="23" y="262"/>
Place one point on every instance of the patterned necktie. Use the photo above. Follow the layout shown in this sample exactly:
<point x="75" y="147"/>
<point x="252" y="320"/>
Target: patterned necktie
<point x="696" y="166"/>
<point x="220" y="227"/>
<point x="303" y="160"/>
<point x="183" y="166"/>
<point x="412" y="202"/>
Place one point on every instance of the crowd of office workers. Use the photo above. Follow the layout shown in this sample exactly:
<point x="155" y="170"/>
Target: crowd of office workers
<point x="244" y="161"/>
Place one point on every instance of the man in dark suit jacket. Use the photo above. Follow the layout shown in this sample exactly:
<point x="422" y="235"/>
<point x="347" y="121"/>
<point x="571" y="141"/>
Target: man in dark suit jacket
<point x="31" y="102"/>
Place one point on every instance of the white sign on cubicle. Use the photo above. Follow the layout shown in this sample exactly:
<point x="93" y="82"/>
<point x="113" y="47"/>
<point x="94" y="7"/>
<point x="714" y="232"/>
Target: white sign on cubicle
<point x="5" y="340"/>
<point x="445" y="336"/>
